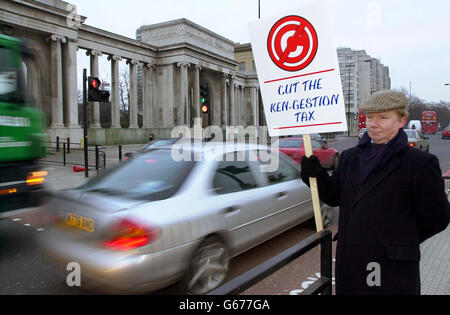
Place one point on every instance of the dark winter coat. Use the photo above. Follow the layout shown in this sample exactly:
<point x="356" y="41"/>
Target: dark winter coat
<point x="383" y="220"/>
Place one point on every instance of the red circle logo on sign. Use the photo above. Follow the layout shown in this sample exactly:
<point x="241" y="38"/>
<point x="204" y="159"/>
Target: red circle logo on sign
<point x="292" y="43"/>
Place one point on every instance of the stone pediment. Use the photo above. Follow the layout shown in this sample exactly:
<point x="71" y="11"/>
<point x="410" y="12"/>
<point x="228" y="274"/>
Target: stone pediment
<point x="63" y="5"/>
<point x="184" y="31"/>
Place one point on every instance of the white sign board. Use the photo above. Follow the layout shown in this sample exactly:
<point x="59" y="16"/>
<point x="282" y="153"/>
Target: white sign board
<point x="298" y="72"/>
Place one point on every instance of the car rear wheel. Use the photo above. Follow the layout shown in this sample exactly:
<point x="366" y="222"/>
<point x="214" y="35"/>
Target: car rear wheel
<point x="208" y="268"/>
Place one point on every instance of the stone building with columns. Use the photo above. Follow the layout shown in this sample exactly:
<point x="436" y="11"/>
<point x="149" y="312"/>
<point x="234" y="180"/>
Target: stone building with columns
<point x="168" y="62"/>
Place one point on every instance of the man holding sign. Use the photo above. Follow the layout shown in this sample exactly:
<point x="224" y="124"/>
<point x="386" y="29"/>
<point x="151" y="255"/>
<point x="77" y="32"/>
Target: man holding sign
<point x="391" y="196"/>
<point x="391" y="199"/>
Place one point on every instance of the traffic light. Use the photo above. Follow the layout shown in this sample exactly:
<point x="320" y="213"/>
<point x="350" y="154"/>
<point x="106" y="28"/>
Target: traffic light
<point x="204" y="99"/>
<point x="94" y="93"/>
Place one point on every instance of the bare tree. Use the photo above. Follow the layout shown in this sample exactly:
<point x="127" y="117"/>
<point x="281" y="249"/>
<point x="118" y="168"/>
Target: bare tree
<point x="417" y="106"/>
<point x="124" y="86"/>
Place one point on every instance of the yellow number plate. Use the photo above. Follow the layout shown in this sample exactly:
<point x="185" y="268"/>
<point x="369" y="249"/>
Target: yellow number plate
<point x="80" y="222"/>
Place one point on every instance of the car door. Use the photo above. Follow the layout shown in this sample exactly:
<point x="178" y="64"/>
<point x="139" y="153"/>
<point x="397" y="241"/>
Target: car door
<point x="236" y="185"/>
<point x="284" y="200"/>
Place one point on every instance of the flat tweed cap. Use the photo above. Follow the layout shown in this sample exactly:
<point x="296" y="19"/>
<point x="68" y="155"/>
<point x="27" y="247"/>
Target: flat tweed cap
<point x="385" y="101"/>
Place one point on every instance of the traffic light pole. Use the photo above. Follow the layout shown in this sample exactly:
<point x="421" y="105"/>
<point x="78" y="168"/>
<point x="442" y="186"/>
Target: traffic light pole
<point x="85" y="142"/>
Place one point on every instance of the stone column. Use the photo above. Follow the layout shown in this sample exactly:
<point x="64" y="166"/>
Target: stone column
<point x="132" y="101"/>
<point x="255" y="108"/>
<point x="241" y="106"/>
<point x="56" y="82"/>
<point x="164" y="110"/>
<point x="233" y="111"/>
<point x="184" y="110"/>
<point x="94" y="54"/>
<point x="70" y="83"/>
<point x="224" y="114"/>
<point x="238" y="105"/>
<point x="197" y="110"/>
<point x="115" y="95"/>
<point x="148" y="95"/>
<point x="244" y="105"/>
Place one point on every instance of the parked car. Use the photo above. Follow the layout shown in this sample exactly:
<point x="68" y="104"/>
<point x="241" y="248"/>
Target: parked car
<point x="152" y="220"/>
<point x="313" y="136"/>
<point x="417" y="140"/>
<point x="319" y="138"/>
<point x="446" y="133"/>
<point x="362" y="131"/>
<point x="294" y="147"/>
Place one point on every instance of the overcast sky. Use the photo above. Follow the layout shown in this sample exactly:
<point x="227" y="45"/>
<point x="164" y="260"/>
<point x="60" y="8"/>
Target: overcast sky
<point x="411" y="37"/>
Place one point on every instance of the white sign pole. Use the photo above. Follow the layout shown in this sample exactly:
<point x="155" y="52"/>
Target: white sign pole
<point x="313" y="186"/>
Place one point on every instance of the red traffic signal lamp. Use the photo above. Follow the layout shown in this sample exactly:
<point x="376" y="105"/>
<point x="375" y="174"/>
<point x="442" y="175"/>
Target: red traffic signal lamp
<point x="94" y="92"/>
<point x="94" y="83"/>
<point x="205" y="109"/>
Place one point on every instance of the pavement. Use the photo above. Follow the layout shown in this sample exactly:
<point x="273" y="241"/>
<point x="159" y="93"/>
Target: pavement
<point x="435" y="252"/>
<point x="435" y="264"/>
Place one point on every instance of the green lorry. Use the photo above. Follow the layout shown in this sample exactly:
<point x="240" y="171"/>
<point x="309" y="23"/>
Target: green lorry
<point x="22" y="133"/>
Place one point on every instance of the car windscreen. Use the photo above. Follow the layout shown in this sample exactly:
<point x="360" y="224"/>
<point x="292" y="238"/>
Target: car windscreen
<point x="289" y="143"/>
<point x="410" y="133"/>
<point x="152" y="176"/>
<point x="8" y="72"/>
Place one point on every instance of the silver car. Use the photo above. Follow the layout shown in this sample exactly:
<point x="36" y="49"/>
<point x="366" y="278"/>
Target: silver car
<point x="417" y="140"/>
<point x="157" y="219"/>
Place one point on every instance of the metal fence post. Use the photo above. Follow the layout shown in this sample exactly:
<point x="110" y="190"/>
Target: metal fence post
<point x="64" y="154"/>
<point x="96" y="158"/>
<point x="326" y="263"/>
<point x="57" y="144"/>
<point x="120" y="152"/>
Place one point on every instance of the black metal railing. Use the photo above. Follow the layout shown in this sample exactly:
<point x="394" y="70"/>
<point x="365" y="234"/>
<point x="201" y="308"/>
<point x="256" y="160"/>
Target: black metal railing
<point x="68" y="153"/>
<point x="255" y="275"/>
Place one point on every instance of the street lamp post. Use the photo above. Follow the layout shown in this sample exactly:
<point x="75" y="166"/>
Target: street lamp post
<point x="357" y="78"/>
<point x="410" y="98"/>
<point x="348" y="98"/>
<point x="259" y="9"/>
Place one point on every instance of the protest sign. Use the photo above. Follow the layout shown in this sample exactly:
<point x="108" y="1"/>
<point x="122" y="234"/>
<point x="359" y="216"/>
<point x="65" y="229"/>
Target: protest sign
<point x="298" y="72"/>
<point x="299" y="77"/>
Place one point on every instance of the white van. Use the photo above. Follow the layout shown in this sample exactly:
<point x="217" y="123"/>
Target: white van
<point x="416" y="124"/>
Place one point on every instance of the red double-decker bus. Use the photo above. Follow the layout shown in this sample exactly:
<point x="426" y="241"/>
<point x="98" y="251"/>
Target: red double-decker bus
<point x="362" y="120"/>
<point x="429" y="122"/>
